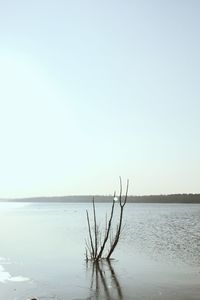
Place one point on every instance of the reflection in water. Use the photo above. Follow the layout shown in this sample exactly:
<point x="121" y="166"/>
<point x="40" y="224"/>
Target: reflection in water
<point x="104" y="282"/>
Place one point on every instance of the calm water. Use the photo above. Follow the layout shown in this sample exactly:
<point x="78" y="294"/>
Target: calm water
<point x="42" y="253"/>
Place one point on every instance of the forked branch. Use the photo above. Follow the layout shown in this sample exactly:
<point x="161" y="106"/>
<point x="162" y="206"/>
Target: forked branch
<point x="95" y="247"/>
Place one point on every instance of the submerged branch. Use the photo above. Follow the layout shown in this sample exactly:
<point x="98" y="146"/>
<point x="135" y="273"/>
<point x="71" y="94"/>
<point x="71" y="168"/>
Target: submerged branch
<point x="90" y="235"/>
<point x="95" y="235"/>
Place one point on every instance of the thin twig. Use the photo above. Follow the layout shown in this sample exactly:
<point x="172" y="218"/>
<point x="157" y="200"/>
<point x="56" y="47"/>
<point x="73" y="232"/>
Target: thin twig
<point x="108" y="229"/>
<point x="90" y="234"/>
<point x="95" y="230"/>
<point x="116" y="240"/>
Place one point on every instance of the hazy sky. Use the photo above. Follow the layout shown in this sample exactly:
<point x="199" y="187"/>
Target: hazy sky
<point x="90" y="90"/>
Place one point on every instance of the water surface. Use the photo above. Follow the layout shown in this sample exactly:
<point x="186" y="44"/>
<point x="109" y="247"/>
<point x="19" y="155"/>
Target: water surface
<point x="43" y="245"/>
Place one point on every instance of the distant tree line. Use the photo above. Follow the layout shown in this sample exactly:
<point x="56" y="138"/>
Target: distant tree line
<point x="173" y="198"/>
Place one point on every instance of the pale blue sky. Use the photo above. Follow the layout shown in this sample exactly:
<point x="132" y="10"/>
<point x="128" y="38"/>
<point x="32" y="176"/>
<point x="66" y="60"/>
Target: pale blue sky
<point x="91" y="90"/>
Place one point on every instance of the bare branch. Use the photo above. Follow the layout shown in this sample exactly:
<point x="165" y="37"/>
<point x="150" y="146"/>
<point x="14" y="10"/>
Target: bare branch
<point x="116" y="240"/>
<point x="94" y="242"/>
<point x="90" y="234"/>
<point x="95" y="229"/>
<point x="108" y="229"/>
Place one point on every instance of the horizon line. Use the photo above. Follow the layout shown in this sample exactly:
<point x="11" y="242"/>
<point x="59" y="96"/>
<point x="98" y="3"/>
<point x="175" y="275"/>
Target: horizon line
<point x="94" y="195"/>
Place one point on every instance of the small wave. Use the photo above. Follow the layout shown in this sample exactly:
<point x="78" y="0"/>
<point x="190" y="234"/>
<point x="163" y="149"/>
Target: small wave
<point x="6" y="276"/>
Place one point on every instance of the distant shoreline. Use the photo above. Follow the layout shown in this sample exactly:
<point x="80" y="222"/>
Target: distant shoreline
<point x="172" y="198"/>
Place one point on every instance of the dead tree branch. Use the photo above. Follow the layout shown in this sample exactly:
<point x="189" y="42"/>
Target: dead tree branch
<point x="94" y="246"/>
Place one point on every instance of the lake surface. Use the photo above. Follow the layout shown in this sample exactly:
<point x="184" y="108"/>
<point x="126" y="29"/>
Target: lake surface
<point x="42" y="253"/>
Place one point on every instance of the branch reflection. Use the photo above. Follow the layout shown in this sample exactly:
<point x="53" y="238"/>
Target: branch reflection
<point x="104" y="282"/>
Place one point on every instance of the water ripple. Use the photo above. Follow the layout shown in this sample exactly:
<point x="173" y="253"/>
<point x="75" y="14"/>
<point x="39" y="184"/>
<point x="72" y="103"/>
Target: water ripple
<point x="168" y="232"/>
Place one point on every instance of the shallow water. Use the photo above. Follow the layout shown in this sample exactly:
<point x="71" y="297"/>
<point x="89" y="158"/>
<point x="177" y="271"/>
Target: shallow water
<point x="43" y="245"/>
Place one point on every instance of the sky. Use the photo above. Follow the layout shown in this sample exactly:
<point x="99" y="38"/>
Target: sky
<point x="93" y="90"/>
